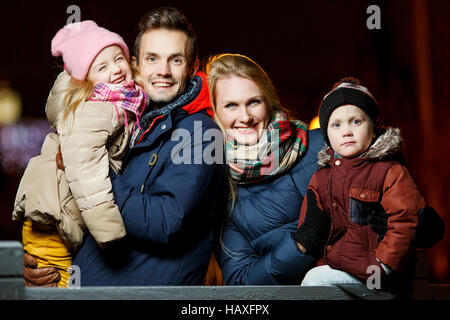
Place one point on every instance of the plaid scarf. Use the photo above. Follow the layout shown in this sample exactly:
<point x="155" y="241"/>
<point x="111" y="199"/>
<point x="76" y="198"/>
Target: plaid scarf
<point x="128" y="96"/>
<point x="281" y="144"/>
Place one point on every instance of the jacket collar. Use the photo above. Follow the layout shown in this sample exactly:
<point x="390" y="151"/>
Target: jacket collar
<point x="387" y="146"/>
<point x="194" y="99"/>
<point x="202" y="100"/>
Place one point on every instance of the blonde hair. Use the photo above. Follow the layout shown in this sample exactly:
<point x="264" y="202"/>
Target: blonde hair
<point x="137" y="75"/>
<point x="226" y="65"/>
<point x="230" y="64"/>
<point x="78" y="92"/>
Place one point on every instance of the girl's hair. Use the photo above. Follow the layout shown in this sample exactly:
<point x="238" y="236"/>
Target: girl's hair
<point x="79" y="91"/>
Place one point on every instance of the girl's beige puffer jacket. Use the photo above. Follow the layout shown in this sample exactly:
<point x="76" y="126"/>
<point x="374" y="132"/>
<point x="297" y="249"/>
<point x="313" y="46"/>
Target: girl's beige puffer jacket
<point x="92" y="139"/>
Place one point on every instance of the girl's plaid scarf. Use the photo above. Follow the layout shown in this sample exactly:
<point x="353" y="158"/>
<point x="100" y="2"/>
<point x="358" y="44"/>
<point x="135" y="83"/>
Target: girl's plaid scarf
<point x="281" y="144"/>
<point x="127" y="96"/>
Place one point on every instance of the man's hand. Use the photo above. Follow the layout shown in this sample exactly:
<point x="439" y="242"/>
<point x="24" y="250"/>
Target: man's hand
<point x="38" y="277"/>
<point x="59" y="159"/>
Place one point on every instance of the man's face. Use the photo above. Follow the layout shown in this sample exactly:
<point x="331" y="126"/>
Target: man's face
<point x="163" y="64"/>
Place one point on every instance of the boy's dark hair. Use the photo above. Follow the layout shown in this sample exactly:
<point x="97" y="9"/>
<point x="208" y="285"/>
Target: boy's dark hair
<point x="171" y="19"/>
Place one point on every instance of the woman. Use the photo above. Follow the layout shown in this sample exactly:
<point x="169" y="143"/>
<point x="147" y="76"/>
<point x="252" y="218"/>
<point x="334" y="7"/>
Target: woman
<point x="271" y="160"/>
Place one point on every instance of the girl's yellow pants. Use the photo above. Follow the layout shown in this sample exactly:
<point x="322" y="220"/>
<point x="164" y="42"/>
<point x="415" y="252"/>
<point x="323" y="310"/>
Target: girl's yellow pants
<point x="44" y="243"/>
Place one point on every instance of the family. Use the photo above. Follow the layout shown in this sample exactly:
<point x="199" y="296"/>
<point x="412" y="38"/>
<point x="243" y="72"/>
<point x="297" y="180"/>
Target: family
<point x="285" y="205"/>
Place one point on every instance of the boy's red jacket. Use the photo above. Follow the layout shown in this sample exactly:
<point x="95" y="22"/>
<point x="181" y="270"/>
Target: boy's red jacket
<point x="349" y="190"/>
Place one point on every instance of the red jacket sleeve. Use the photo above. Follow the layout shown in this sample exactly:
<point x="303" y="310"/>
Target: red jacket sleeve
<point x="402" y="201"/>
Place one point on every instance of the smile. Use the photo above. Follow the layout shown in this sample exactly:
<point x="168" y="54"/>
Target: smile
<point x="119" y="80"/>
<point x="162" y="84"/>
<point x="246" y="130"/>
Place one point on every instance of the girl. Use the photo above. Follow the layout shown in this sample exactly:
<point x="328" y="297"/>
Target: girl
<point x="92" y="106"/>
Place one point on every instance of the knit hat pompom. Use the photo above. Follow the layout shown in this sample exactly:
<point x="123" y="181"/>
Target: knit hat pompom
<point x="80" y="43"/>
<point x="347" y="91"/>
<point x="350" y="80"/>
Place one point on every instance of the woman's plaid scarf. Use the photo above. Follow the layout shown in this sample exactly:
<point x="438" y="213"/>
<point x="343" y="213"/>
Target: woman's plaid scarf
<point x="281" y="144"/>
<point x="127" y="96"/>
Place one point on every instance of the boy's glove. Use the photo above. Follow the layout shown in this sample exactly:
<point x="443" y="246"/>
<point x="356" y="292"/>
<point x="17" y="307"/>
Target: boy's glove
<point x="313" y="233"/>
<point x="430" y="227"/>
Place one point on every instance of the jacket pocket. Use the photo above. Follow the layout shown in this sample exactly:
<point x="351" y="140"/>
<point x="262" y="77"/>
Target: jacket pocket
<point x="363" y="204"/>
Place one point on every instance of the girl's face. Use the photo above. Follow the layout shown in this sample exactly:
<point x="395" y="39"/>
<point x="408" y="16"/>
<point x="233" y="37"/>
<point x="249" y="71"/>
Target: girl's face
<point x="350" y="131"/>
<point x="241" y="109"/>
<point x="110" y="66"/>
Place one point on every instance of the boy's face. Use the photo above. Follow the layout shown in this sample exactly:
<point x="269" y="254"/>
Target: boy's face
<point x="350" y="131"/>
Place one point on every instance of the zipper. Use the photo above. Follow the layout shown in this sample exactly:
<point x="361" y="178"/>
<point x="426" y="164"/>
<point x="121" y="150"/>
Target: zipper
<point x="148" y="129"/>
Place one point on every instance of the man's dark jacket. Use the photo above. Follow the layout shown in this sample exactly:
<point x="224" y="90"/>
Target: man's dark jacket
<point x="168" y="207"/>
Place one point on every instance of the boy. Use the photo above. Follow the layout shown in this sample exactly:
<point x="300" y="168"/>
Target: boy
<point x="359" y="176"/>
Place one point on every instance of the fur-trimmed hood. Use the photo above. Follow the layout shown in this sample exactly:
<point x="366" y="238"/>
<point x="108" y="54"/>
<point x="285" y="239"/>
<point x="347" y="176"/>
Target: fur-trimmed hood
<point x="389" y="144"/>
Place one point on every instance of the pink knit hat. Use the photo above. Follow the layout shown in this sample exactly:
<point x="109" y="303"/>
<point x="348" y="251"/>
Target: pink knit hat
<point x="80" y="43"/>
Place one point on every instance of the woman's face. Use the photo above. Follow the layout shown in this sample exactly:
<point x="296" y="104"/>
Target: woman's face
<point x="241" y="109"/>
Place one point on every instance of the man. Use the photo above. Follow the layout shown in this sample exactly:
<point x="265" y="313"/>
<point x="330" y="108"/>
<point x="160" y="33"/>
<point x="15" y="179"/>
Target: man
<point x="167" y="207"/>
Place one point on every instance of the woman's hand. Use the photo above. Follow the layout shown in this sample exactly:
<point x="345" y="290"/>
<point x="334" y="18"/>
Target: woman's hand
<point x="38" y="277"/>
<point x="301" y="248"/>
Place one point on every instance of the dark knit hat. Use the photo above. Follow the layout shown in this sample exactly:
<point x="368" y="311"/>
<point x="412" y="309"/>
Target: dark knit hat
<point x="347" y="91"/>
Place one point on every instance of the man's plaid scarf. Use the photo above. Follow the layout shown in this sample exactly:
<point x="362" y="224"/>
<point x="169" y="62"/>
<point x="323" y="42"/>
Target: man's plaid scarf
<point x="281" y="144"/>
<point x="128" y="96"/>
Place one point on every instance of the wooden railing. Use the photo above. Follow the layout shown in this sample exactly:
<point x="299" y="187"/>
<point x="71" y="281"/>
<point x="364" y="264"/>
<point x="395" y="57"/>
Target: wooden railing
<point x="12" y="287"/>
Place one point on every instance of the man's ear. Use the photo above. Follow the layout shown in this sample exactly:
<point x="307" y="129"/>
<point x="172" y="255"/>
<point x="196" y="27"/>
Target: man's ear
<point x="134" y="62"/>
<point x="195" y="67"/>
<point x="136" y="74"/>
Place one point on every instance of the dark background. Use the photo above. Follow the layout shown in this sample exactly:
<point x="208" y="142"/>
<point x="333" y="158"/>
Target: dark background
<point x="305" y="46"/>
